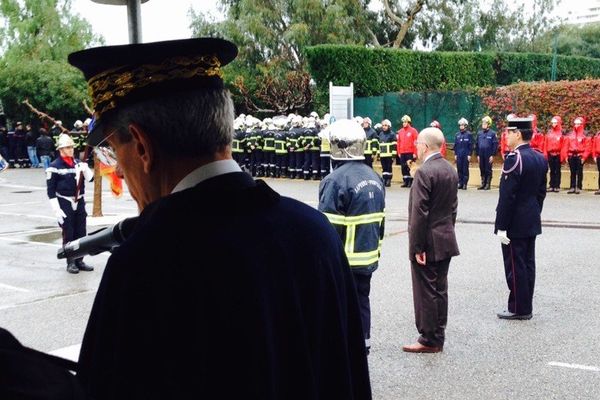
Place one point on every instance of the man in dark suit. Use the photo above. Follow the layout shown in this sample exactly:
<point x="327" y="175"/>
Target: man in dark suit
<point x="431" y="240"/>
<point x="188" y="308"/>
<point x="518" y="216"/>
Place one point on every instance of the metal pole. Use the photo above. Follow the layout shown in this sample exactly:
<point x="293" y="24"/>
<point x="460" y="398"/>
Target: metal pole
<point x="134" y="17"/>
<point x="554" y="59"/>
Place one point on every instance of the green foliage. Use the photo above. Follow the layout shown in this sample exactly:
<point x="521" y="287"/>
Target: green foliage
<point x="564" y="98"/>
<point x="572" y="40"/>
<point x="378" y="71"/>
<point x="36" y="37"/>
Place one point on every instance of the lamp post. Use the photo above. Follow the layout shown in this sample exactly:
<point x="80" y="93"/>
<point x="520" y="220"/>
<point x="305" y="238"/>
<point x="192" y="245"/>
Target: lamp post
<point x="134" y="16"/>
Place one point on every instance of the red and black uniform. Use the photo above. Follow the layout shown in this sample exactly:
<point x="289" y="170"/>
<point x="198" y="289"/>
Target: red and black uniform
<point x="407" y="151"/>
<point x="553" y="145"/>
<point x="595" y="151"/>
<point x="576" y="148"/>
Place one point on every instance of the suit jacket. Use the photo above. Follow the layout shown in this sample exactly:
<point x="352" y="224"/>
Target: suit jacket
<point x="522" y="193"/>
<point x="432" y="210"/>
<point x="226" y="290"/>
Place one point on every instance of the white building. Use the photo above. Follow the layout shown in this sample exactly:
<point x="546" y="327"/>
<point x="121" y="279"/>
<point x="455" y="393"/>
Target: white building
<point x="580" y="12"/>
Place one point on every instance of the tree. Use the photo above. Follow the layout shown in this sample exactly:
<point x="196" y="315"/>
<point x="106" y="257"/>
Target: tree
<point x="572" y="40"/>
<point x="37" y="36"/>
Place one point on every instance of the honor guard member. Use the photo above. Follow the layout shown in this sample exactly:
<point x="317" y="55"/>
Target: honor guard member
<point x="463" y="147"/>
<point x="20" y="143"/>
<point x="387" y="150"/>
<point x="595" y="151"/>
<point x="353" y="199"/>
<point x="576" y="148"/>
<point x="65" y="179"/>
<point x="281" y="153"/>
<point x="273" y="316"/>
<point x="486" y="147"/>
<point x="537" y="138"/>
<point x="300" y="151"/>
<point x="295" y="150"/>
<point x="238" y="144"/>
<point x="268" y="134"/>
<point x="312" y="148"/>
<point x="372" y="145"/>
<point x="255" y="144"/>
<point x="518" y="216"/>
<point x="407" y="149"/>
<point x="325" y="153"/>
<point x="443" y="149"/>
<point x="553" y="151"/>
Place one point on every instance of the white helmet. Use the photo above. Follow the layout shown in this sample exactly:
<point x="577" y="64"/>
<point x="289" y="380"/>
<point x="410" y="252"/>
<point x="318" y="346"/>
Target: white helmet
<point x="463" y="121"/>
<point x="347" y="139"/>
<point x="64" y="140"/>
<point x="296" y="121"/>
<point x="78" y="124"/>
<point x="314" y="115"/>
<point x="358" y="119"/>
<point x="87" y="122"/>
<point x="367" y="120"/>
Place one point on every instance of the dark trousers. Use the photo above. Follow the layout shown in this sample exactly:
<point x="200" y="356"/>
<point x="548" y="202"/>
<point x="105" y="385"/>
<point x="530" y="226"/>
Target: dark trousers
<point x="268" y="162"/>
<point x="576" y="172"/>
<point x="280" y="164"/>
<point x="519" y="268"/>
<point x="325" y="164"/>
<point x="430" y="297"/>
<point x="256" y="159"/>
<point x="462" y="167"/>
<point x="369" y="160"/>
<point x="239" y="158"/>
<point x="386" y="166"/>
<point x="485" y="168"/>
<point x="292" y="164"/>
<point x="598" y="165"/>
<point x="300" y="163"/>
<point x="363" y="288"/>
<point x="404" y="159"/>
<point x="554" y="166"/>
<point x="74" y="225"/>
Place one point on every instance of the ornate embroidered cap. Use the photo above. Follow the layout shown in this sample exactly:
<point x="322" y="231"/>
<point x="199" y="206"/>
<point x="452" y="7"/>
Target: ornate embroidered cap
<point x="520" y="123"/>
<point x="122" y="75"/>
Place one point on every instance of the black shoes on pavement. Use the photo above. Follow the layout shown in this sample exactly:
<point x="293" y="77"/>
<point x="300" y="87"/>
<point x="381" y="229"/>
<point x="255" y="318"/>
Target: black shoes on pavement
<point x="510" y="315"/>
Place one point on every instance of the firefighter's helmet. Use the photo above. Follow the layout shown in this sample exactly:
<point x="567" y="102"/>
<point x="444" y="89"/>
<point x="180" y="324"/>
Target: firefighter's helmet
<point x="347" y="139"/>
<point x="65" y="140"/>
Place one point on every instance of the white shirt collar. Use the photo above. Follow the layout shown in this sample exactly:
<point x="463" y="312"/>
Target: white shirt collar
<point x="431" y="155"/>
<point x="205" y="172"/>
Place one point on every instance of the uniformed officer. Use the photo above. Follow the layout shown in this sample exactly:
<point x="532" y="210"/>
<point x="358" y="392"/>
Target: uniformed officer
<point x="463" y="147"/>
<point x="325" y="150"/>
<point x="353" y="199"/>
<point x="238" y="144"/>
<point x="268" y="135"/>
<point x="372" y="145"/>
<point x="576" y="147"/>
<point x="518" y="216"/>
<point x="486" y="147"/>
<point x="281" y="152"/>
<point x="553" y="146"/>
<point x="387" y="150"/>
<point x="65" y="181"/>
<point x="406" y="148"/>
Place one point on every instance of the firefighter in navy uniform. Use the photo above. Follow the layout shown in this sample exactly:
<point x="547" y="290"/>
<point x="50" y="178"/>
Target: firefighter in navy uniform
<point x="486" y="147"/>
<point x="353" y="199"/>
<point x="372" y="141"/>
<point x="387" y="150"/>
<point x="518" y="216"/>
<point x="295" y="151"/>
<point x="268" y="136"/>
<point x="238" y="143"/>
<point x="65" y="181"/>
<point x="281" y="152"/>
<point x="325" y="148"/>
<point x="312" y="150"/>
<point x="463" y="147"/>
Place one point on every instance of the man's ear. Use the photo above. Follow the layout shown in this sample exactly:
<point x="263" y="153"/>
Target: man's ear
<point x="143" y="147"/>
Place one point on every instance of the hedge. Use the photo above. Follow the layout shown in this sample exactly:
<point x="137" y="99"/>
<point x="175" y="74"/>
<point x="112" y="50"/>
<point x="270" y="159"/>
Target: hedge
<point x="375" y="71"/>
<point x="564" y="98"/>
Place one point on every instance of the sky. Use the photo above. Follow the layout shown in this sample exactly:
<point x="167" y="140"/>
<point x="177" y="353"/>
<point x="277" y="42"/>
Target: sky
<point x="168" y="19"/>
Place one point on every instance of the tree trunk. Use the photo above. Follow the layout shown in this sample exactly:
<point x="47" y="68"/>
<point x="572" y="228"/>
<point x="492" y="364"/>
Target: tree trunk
<point x="97" y="208"/>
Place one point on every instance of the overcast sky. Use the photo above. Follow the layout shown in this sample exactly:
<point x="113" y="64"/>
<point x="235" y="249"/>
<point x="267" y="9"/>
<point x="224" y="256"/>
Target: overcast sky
<point x="168" y="19"/>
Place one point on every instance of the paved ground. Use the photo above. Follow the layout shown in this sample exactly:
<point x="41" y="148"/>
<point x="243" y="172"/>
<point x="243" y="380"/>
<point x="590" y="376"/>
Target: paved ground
<point x="553" y="356"/>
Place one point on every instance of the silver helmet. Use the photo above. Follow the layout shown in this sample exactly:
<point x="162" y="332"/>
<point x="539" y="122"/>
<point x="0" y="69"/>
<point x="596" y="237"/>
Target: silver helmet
<point x="347" y="139"/>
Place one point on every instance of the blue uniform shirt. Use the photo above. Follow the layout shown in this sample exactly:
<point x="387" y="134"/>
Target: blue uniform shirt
<point x="487" y="143"/>
<point x="463" y="143"/>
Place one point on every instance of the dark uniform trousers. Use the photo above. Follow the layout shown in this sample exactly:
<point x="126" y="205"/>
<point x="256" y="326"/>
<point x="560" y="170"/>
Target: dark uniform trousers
<point x="386" y="167"/>
<point x="485" y="168"/>
<point x="554" y="164"/>
<point x="519" y="268"/>
<point x="325" y="164"/>
<point x="369" y="160"/>
<point x="73" y="227"/>
<point x="598" y="165"/>
<point x="576" y="167"/>
<point x="462" y="167"/>
<point x="363" y="289"/>
<point x="404" y="159"/>
<point x="430" y="296"/>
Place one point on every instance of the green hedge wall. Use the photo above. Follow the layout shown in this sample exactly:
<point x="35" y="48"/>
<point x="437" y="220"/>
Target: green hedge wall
<point x="376" y="71"/>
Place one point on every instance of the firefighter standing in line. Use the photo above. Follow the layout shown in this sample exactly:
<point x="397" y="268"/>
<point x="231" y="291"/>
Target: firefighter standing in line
<point x="553" y="145"/>
<point x="238" y="143"/>
<point x="486" y="147"/>
<point x="268" y="134"/>
<point x="325" y="153"/>
<point x="436" y="124"/>
<point x="576" y="148"/>
<point x="595" y="150"/>
<point x="537" y="138"/>
<point x="387" y="150"/>
<point x="372" y="141"/>
<point x="65" y="181"/>
<point x="463" y="147"/>
<point x="407" y="149"/>
<point x="353" y="199"/>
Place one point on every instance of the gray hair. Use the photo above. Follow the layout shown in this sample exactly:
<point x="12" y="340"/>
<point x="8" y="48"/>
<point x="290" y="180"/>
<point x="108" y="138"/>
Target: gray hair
<point x="189" y="124"/>
<point x="433" y="137"/>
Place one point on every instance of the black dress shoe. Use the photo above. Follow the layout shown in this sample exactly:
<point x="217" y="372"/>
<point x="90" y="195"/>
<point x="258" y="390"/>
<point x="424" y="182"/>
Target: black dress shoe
<point x="510" y="315"/>
<point x="83" y="266"/>
<point x="72" y="268"/>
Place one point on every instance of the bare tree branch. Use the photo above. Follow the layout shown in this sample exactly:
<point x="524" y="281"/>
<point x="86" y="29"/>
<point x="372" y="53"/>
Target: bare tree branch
<point x="403" y="24"/>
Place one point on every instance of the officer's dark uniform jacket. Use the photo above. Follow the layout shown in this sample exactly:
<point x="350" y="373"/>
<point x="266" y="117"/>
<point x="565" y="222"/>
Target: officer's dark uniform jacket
<point x="487" y="143"/>
<point x="387" y="143"/>
<point x="353" y="199"/>
<point x="62" y="181"/>
<point x="372" y="141"/>
<point x="193" y="308"/>
<point x="463" y="143"/>
<point x="522" y="193"/>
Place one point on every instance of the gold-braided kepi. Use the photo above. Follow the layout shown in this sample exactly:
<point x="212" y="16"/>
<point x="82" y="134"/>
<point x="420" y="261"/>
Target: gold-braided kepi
<point x="122" y="75"/>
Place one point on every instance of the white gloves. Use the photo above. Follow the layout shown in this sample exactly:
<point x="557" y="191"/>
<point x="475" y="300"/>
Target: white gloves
<point x="87" y="172"/>
<point x="503" y="237"/>
<point x="58" y="212"/>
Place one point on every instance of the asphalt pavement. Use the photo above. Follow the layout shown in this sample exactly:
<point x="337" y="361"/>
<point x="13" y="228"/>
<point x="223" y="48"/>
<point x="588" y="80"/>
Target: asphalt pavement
<point x="555" y="355"/>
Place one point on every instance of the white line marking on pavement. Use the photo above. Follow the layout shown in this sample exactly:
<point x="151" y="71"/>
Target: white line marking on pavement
<point x="18" y="289"/>
<point x="70" y="352"/>
<point x="8" y="185"/>
<point x="20" y="204"/>
<point x="27" y="215"/>
<point x="575" y="366"/>
<point x="29" y="242"/>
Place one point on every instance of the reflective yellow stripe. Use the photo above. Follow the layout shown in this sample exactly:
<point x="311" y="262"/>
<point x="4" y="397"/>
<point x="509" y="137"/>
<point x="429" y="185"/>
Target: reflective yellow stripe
<point x="355" y="220"/>
<point x="362" y="259"/>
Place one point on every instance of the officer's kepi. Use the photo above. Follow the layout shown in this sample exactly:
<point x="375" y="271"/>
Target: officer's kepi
<point x="520" y="123"/>
<point x="123" y="75"/>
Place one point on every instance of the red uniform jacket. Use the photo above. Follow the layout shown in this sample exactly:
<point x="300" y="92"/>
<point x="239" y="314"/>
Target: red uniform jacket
<point x="576" y="143"/>
<point x="555" y="141"/>
<point x="595" y="145"/>
<point x="503" y="144"/>
<point x="537" y="141"/>
<point x="406" y="140"/>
